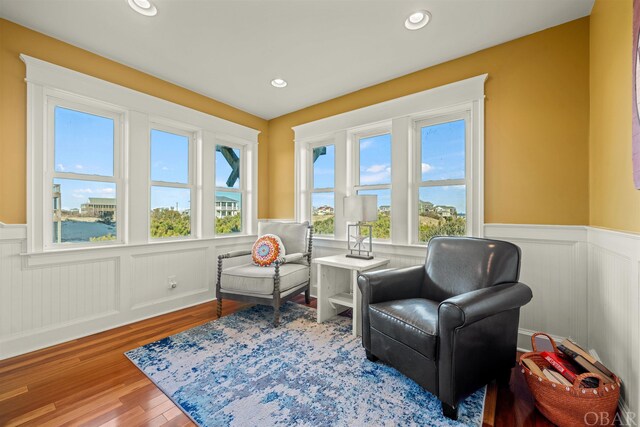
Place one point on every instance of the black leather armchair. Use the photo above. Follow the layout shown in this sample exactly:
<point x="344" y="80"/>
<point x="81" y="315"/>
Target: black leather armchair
<point x="451" y="325"/>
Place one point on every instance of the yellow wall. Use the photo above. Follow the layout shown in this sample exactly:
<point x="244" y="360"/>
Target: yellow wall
<point x="558" y="127"/>
<point x="537" y="124"/>
<point x="614" y="202"/>
<point x="15" y="40"/>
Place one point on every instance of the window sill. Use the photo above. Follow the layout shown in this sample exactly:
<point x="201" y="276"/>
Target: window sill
<point x="54" y="256"/>
<point x="379" y="247"/>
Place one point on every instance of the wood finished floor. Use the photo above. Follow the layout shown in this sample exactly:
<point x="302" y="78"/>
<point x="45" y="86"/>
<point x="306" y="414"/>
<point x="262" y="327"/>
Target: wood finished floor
<point x="90" y="382"/>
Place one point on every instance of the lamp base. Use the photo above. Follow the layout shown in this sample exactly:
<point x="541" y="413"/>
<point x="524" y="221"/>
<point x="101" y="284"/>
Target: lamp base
<point x="359" y="256"/>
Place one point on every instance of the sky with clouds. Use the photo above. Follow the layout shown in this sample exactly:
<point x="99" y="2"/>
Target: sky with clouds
<point x="84" y="145"/>
<point x="443" y="157"/>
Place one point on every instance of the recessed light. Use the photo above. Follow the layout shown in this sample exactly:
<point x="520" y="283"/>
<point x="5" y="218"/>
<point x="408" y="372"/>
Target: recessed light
<point x="279" y="83"/>
<point x="144" y="7"/>
<point x="417" y="20"/>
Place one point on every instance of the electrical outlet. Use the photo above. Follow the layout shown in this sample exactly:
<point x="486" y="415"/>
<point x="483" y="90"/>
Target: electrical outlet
<point x="173" y="283"/>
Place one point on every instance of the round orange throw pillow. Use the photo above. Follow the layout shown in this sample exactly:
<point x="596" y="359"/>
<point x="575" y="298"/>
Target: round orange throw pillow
<point x="267" y="250"/>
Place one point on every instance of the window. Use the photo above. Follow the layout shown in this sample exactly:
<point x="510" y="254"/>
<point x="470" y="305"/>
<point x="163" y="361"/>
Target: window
<point x="422" y="155"/>
<point x="373" y="177"/>
<point x="85" y="178"/>
<point x="323" y="189"/>
<point x="228" y="192"/>
<point x="171" y="183"/>
<point x="442" y="188"/>
<point x="109" y="165"/>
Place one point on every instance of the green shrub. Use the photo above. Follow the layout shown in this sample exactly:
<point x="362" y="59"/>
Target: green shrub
<point x="228" y="224"/>
<point x="170" y="223"/>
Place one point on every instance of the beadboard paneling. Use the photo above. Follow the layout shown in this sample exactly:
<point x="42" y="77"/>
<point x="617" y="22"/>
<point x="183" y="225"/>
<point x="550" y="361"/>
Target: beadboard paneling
<point x="554" y="267"/>
<point x="151" y="272"/>
<point x="614" y="303"/>
<point x="50" y="298"/>
<point x="43" y="298"/>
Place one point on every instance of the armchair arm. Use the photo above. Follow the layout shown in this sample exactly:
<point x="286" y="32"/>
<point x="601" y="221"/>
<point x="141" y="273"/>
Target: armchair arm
<point x="234" y="254"/>
<point x="293" y="257"/>
<point x="470" y="307"/>
<point x="478" y="333"/>
<point x="391" y="284"/>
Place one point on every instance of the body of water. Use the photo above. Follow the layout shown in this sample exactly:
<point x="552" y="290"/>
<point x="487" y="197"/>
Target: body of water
<point x="76" y="231"/>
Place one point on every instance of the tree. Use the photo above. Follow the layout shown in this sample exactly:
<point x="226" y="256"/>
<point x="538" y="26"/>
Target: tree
<point x="228" y="224"/>
<point x="381" y="227"/>
<point x="170" y="223"/>
<point x="323" y="226"/>
<point x="446" y="227"/>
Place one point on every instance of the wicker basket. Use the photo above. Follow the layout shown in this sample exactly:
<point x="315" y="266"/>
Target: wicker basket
<point x="571" y="405"/>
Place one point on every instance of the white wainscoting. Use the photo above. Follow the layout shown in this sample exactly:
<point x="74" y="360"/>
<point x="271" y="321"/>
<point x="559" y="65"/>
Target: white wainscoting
<point x="614" y="304"/>
<point x="585" y="283"/>
<point x="49" y="298"/>
<point x="554" y="265"/>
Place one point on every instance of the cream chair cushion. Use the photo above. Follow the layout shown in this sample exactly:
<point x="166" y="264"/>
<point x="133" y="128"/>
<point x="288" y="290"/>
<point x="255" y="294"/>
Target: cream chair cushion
<point x="255" y="280"/>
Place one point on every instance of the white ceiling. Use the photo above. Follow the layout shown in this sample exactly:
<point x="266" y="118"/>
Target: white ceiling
<point x="231" y="49"/>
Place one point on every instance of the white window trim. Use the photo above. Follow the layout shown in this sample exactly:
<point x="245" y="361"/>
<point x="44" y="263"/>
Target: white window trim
<point x="139" y="111"/>
<point x="311" y="185"/>
<point x="466" y="95"/>
<point x="461" y="113"/>
<point x="55" y="99"/>
<point x="354" y="185"/>
<point x="245" y="219"/>
<point x="192" y="175"/>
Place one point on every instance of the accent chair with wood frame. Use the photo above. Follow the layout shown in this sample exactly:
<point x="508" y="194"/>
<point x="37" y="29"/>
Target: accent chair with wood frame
<point x="274" y="285"/>
<point x="451" y="324"/>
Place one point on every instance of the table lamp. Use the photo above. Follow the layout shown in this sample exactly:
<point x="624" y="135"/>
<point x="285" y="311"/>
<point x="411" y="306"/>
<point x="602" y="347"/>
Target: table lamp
<point x="359" y="209"/>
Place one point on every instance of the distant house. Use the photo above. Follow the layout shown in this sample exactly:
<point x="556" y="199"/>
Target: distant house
<point x="446" y="211"/>
<point x="226" y="206"/>
<point x="324" y="210"/>
<point x="440" y="210"/>
<point x="425" y="207"/>
<point x="384" y="209"/>
<point x="99" y="207"/>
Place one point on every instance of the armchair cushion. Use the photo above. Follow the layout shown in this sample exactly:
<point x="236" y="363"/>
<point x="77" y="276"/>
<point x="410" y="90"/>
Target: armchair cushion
<point x="413" y="322"/>
<point x="456" y="265"/>
<point x="292" y="234"/>
<point x="255" y="280"/>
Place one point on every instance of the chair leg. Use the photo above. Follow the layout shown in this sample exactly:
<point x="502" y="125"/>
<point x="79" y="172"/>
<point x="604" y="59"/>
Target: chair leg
<point x="504" y="376"/>
<point x="219" y="309"/>
<point x="276" y="316"/>
<point x="449" y="411"/>
<point x="307" y="296"/>
<point x="370" y="356"/>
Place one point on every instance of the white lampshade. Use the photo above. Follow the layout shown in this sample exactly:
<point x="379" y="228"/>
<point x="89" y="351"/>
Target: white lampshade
<point x="361" y="208"/>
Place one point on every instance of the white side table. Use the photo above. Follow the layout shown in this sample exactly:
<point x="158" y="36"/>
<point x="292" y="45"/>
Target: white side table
<point x="337" y="286"/>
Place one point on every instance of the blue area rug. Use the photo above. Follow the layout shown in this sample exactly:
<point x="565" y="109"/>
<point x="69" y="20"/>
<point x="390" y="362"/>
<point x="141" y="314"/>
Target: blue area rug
<point x="241" y="371"/>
